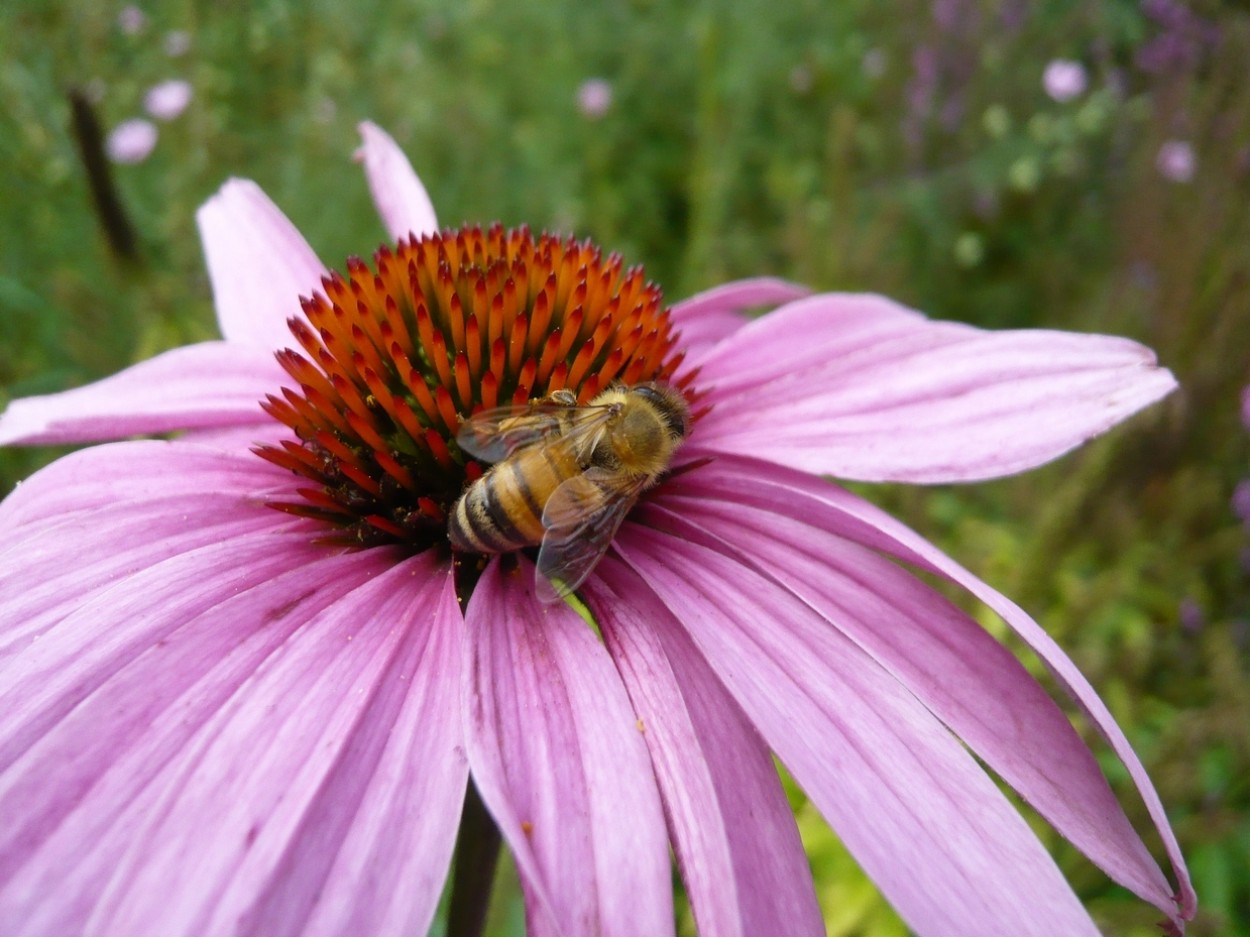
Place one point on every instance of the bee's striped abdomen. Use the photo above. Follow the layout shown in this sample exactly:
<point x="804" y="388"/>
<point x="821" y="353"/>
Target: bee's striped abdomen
<point x="503" y="510"/>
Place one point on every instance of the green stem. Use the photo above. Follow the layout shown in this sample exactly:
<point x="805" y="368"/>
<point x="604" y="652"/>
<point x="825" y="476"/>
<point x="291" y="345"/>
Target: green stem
<point x="477" y="854"/>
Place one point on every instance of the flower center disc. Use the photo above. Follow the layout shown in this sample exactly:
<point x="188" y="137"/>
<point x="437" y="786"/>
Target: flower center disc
<point x="449" y="324"/>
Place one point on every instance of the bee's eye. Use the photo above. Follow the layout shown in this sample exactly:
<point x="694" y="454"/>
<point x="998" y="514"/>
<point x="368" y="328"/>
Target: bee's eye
<point x="650" y="392"/>
<point x="675" y="419"/>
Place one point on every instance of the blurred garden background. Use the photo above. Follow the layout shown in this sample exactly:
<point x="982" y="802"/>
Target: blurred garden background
<point x="1081" y="166"/>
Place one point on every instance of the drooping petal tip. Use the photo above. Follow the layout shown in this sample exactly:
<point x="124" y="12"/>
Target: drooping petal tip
<point x="943" y="657"/>
<point x="397" y="191"/>
<point x="797" y="494"/>
<point x="913" y="806"/>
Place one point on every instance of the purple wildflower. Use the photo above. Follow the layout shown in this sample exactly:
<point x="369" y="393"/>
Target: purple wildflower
<point x="1064" y="80"/>
<point x="132" y="21"/>
<point x="177" y="43"/>
<point x="951" y="15"/>
<point x="801" y="79"/>
<point x="1190" y="615"/>
<point x="1184" y="37"/>
<point x="594" y="97"/>
<point x="215" y="721"/>
<point x="1241" y="501"/>
<point x="168" y="99"/>
<point x="131" y="141"/>
<point x="921" y="91"/>
<point x="1176" y="161"/>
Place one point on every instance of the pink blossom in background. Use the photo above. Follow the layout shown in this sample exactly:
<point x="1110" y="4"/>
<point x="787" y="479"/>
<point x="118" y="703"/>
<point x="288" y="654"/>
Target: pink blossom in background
<point x="1182" y="41"/>
<point x="920" y="93"/>
<point x="214" y="721"/>
<point x="131" y="141"/>
<point x="1241" y="501"/>
<point x="1241" y="494"/>
<point x="1191" y="616"/>
<point x="167" y="100"/>
<point x="1176" y="161"/>
<point x="177" y="43"/>
<point x="594" y="97"/>
<point x="1064" y="80"/>
<point x="132" y="21"/>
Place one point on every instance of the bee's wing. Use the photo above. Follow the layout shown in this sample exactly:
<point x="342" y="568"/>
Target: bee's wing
<point x="581" y="518"/>
<point x="493" y="435"/>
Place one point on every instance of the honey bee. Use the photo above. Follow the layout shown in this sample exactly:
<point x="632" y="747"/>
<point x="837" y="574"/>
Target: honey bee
<point x="565" y="476"/>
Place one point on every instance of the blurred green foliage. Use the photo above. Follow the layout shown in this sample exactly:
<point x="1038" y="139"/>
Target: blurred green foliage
<point x="908" y="148"/>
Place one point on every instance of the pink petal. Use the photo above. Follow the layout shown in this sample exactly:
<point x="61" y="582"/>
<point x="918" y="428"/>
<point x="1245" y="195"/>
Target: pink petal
<point x="400" y="197"/>
<point x="195" y="486"/>
<point x="859" y="387"/>
<point x="916" y="810"/>
<point x="559" y="760"/>
<point x="90" y="537"/>
<point x="730" y="822"/>
<point x="259" y="265"/>
<point x="964" y="676"/>
<point x="250" y="733"/>
<point x="708" y="317"/>
<point x="209" y="385"/>
<point x="159" y="517"/>
<point x="396" y="846"/>
<point x="237" y="439"/>
<point x="791" y="493"/>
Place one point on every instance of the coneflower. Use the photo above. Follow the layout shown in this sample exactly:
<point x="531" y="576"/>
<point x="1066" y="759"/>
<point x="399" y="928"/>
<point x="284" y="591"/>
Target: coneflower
<point x="245" y="695"/>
